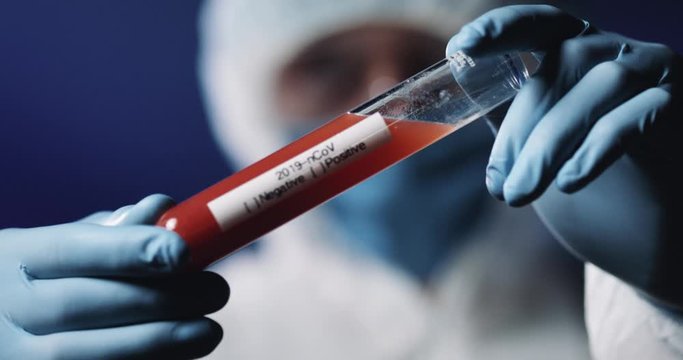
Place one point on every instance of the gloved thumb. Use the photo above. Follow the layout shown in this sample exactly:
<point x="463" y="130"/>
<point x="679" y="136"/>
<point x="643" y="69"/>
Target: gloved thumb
<point x="145" y="212"/>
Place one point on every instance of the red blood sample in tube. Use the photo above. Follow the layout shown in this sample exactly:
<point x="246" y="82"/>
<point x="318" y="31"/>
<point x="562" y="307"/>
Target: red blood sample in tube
<point x="300" y="176"/>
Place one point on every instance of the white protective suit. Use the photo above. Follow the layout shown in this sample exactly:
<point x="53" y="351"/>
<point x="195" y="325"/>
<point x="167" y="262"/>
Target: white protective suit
<point x="304" y="296"/>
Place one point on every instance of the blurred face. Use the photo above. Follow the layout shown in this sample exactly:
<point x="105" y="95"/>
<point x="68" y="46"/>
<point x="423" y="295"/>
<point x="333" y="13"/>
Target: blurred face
<point x="339" y="72"/>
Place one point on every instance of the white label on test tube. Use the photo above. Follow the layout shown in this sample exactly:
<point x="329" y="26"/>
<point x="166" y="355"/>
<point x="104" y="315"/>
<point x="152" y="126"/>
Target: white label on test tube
<point x="299" y="172"/>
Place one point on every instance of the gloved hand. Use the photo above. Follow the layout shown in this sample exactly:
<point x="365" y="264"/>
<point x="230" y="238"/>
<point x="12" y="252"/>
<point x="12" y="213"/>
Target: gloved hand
<point x="105" y="287"/>
<point x="599" y="117"/>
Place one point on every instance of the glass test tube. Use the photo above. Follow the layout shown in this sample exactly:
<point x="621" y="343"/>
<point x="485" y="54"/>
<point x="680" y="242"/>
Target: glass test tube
<point x="341" y="153"/>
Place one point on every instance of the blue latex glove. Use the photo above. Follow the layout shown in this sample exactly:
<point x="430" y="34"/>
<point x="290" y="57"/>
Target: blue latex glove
<point x="105" y="287"/>
<point x="599" y="118"/>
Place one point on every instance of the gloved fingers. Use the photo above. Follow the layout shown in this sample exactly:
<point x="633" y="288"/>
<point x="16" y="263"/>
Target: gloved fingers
<point x="80" y="249"/>
<point x="97" y="218"/>
<point x="656" y="62"/>
<point x="145" y="212"/>
<point x="186" y="339"/>
<point x="537" y="95"/>
<point x="77" y="303"/>
<point x="517" y="28"/>
<point x="559" y="72"/>
<point x="604" y="143"/>
<point x="115" y="216"/>
<point x="558" y="134"/>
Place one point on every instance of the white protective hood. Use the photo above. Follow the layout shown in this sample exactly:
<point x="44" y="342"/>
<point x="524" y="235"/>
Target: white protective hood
<point x="244" y="43"/>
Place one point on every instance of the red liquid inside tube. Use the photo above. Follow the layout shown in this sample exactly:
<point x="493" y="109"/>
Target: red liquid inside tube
<point x="293" y="180"/>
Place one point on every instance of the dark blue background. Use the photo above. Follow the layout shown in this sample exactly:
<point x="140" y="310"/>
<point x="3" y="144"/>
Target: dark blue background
<point x="99" y="104"/>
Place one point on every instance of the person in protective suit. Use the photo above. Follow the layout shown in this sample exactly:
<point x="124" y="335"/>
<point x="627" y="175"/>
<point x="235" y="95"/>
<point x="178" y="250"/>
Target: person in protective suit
<point x="417" y="262"/>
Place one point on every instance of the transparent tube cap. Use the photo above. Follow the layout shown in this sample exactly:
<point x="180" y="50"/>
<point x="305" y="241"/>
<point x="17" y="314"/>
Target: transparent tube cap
<point x="456" y="90"/>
